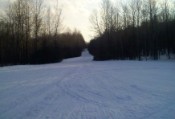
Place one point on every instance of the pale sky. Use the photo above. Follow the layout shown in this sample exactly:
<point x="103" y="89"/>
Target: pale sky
<point x="76" y="13"/>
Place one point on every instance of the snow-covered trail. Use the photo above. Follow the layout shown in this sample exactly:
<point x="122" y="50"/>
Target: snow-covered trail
<point x="79" y="88"/>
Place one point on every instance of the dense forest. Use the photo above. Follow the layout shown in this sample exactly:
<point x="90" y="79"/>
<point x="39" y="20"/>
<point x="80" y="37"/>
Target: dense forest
<point x="32" y="34"/>
<point x="139" y="29"/>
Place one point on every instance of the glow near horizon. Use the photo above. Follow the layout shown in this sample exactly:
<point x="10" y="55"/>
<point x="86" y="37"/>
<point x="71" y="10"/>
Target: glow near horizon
<point x="75" y="13"/>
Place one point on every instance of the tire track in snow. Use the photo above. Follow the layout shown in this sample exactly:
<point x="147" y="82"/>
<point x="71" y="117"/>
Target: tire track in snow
<point x="87" y="96"/>
<point x="38" y="98"/>
<point x="87" y="90"/>
<point x="91" y="112"/>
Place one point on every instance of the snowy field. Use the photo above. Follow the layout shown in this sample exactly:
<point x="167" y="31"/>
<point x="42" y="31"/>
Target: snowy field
<point x="79" y="88"/>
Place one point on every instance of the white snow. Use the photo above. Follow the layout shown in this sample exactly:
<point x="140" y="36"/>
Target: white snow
<point x="80" y="88"/>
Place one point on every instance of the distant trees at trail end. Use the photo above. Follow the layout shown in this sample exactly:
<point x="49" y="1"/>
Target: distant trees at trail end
<point x="136" y="30"/>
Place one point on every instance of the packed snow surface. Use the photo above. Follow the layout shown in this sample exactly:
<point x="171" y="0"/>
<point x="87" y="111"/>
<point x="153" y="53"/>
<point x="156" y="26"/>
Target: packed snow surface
<point x="80" y="88"/>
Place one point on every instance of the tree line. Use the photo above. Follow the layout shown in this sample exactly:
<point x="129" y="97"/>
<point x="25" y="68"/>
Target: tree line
<point x="138" y="29"/>
<point x="32" y="34"/>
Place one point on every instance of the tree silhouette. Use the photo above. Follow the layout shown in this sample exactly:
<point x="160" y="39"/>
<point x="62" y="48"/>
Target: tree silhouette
<point x="146" y="31"/>
<point x="30" y="34"/>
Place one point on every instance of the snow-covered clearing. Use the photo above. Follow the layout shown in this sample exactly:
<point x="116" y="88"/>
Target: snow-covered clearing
<point x="79" y="88"/>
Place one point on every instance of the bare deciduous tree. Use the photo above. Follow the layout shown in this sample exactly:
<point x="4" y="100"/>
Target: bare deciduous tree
<point x="126" y="15"/>
<point x="133" y="11"/>
<point x="37" y="19"/>
<point x="165" y="10"/>
<point x="106" y="19"/>
<point x="95" y="22"/>
<point x="57" y="17"/>
<point x="139" y="8"/>
<point x="48" y="20"/>
<point x="152" y="4"/>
